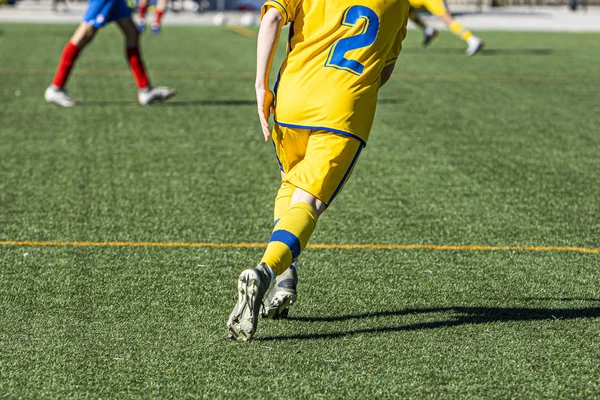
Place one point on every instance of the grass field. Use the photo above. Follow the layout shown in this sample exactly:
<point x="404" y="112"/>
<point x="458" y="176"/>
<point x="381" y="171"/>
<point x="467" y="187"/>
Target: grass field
<point x="496" y="150"/>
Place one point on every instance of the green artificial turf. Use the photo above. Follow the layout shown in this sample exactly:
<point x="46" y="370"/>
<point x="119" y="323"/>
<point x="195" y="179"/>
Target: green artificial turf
<point x="500" y="149"/>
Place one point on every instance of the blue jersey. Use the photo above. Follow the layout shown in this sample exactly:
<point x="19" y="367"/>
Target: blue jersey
<point x="101" y="12"/>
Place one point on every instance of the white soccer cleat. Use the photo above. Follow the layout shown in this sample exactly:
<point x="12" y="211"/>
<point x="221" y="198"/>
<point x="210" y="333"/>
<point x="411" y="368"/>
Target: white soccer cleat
<point x="283" y="294"/>
<point x="252" y="286"/>
<point x="429" y="34"/>
<point x="155" y="28"/>
<point x="474" y="45"/>
<point x="150" y="95"/>
<point x="59" y="97"/>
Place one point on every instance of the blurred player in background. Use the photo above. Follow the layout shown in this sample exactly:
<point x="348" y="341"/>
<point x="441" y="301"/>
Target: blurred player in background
<point x="439" y="9"/>
<point x="339" y="55"/>
<point x="98" y="14"/>
<point x="159" y="10"/>
<point x="55" y="3"/>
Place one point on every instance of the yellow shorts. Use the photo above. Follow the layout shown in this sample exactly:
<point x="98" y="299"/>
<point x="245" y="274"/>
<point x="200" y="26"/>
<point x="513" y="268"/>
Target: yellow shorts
<point x="436" y="7"/>
<point x="316" y="161"/>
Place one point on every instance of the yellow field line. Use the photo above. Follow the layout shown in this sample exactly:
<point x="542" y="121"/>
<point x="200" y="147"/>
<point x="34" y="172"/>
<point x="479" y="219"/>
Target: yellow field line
<point x="499" y="78"/>
<point x="241" y="30"/>
<point x="314" y="246"/>
<point x="125" y="72"/>
<point x="229" y="75"/>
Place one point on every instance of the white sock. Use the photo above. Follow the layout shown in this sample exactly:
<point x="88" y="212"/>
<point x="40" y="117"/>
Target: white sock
<point x="429" y="30"/>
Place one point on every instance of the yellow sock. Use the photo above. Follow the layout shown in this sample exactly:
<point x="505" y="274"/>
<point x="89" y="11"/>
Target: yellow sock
<point x="290" y="236"/>
<point x="460" y="31"/>
<point x="282" y="201"/>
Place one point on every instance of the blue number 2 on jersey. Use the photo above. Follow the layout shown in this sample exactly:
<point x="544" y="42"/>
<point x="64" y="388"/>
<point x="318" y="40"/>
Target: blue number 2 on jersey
<point x="365" y="38"/>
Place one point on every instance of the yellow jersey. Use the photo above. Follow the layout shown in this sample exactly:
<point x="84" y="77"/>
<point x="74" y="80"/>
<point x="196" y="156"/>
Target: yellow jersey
<point x="337" y="50"/>
<point x="436" y="7"/>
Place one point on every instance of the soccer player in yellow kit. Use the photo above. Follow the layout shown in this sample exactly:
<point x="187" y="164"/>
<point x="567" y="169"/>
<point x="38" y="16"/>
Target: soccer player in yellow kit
<point x="340" y="52"/>
<point x="439" y="9"/>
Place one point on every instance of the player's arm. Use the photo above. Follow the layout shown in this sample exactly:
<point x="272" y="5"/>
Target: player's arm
<point x="386" y="74"/>
<point x="268" y="38"/>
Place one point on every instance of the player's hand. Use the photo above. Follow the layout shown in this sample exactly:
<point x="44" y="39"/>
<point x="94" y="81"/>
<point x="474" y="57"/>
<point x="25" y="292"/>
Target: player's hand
<point x="265" y="99"/>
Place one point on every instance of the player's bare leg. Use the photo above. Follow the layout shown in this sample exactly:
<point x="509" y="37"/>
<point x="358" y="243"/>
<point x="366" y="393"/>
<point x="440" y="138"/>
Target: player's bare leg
<point x="146" y="93"/>
<point x="474" y="44"/>
<point x="56" y="92"/>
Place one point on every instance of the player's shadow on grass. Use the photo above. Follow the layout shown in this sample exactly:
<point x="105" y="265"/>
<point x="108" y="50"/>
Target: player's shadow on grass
<point x="461" y="316"/>
<point x="558" y="298"/>
<point x="516" y="52"/>
<point x="484" y="52"/>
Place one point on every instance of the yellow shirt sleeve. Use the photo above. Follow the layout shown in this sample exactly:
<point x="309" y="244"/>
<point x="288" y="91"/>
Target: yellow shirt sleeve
<point x="287" y="8"/>
<point x="396" y="48"/>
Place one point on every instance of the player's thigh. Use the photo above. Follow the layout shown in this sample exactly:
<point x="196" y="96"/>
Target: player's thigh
<point x="436" y="7"/>
<point x="130" y="31"/>
<point x="120" y="11"/>
<point x="83" y="34"/>
<point x="327" y="165"/>
<point x="290" y="145"/>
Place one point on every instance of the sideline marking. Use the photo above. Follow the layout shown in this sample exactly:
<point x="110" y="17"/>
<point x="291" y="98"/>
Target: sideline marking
<point x="400" y="77"/>
<point x="125" y="72"/>
<point x="313" y="246"/>
<point x="241" y="30"/>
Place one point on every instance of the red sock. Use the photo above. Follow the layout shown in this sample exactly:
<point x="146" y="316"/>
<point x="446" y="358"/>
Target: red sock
<point x="158" y="15"/>
<point x="67" y="60"/>
<point x="142" y="11"/>
<point x="137" y="67"/>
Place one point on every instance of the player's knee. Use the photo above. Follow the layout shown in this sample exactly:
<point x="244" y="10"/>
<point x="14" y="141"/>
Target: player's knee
<point x="305" y="197"/>
<point x="83" y="35"/>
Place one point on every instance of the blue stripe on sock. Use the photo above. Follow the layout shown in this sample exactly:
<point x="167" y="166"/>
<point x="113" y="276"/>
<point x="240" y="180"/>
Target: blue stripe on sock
<point x="289" y="239"/>
<point x="276" y="221"/>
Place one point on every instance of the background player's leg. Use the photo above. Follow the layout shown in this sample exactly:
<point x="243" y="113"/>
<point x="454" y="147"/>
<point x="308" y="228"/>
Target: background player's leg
<point x="429" y="33"/>
<point x="142" y="8"/>
<point x="473" y="42"/>
<point x="56" y="93"/>
<point x="161" y="8"/>
<point x="146" y="93"/>
<point x="82" y="36"/>
<point x="132" y="50"/>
